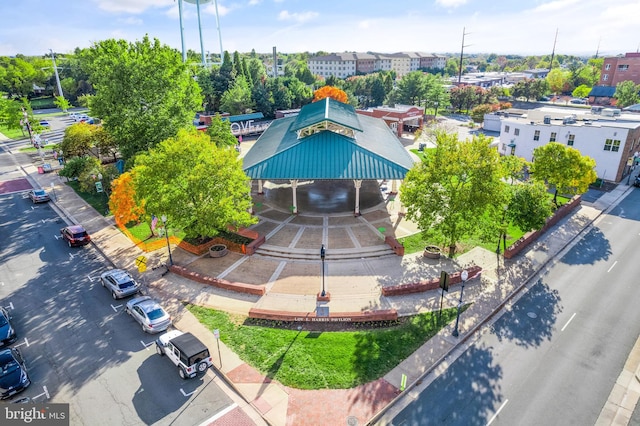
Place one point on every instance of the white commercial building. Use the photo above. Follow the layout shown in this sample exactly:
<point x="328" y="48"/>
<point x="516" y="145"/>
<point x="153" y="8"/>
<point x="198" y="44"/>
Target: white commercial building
<point x="611" y="142"/>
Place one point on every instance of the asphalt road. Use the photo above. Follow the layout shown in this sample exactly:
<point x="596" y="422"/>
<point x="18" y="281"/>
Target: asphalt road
<point x="554" y="357"/>
<point x="79" y="345"/>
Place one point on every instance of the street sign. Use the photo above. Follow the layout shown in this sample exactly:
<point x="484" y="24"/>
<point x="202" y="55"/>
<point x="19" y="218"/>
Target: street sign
<point x="141" y="263"/>
<point x="98" y="186"/>
<point x="444" y="281"/>
<point x="216" y="333"/>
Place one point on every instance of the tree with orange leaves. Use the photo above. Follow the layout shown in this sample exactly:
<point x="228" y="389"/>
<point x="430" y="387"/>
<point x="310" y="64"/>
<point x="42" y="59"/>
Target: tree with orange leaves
<point x="330" y="92"/>
<point x="122" y="202"/>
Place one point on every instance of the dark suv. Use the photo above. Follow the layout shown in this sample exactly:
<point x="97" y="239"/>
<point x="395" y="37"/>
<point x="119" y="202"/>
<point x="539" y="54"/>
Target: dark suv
<point x="13" y="373"/>
<point x="188" y="353"/>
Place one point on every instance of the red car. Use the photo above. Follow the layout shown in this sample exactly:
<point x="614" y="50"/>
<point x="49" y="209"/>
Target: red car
<point x="75" y="235"/>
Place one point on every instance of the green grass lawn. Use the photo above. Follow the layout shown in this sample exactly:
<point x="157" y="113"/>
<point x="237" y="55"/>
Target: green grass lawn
<point x="13" y="133"/>
<point x="142" y="231"/>
<point x="322" y="360"/>
<point x="97" y="200"/>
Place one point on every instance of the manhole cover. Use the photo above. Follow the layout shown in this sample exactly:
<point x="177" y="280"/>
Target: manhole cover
<point x="532" y="315"/>
<point x="352" y="421"/>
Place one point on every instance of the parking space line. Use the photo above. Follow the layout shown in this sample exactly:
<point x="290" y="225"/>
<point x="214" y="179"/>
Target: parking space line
<point x="10" y="304"/>
<point x="115" y="308"/>
<point x="220" y="414"/>
<point x="497" y="412"/>
<point x="56" y="236"/>
<point x="567" y="323"/>
<point x="146" y="345"/>
<point x="614" y="264"/>
<point x="46" y="392"/>
<point x="188" y="394"/>
<point x="26" y="342"/>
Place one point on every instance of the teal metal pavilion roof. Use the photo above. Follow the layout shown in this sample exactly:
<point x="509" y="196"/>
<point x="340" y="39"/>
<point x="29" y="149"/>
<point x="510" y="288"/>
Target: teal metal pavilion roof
<point x="373" y="152"/>
<point x="327" y="109"/>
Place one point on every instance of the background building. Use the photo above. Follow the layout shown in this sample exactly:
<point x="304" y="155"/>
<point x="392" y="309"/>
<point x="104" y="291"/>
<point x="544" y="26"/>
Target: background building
<point x="618" y="69"/>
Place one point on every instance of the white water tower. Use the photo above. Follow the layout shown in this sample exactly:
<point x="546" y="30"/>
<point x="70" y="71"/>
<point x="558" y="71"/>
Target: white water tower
<point x="198" y="3"/>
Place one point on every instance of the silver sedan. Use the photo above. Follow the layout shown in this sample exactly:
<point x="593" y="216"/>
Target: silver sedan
<point x="148" y="313"/>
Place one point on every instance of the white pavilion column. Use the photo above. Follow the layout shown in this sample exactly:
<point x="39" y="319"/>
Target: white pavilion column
<point x="394" y="186"/>
<point x="260" y="189"/>
<point x="358" y="184"/>
<point x="294" y="185"/>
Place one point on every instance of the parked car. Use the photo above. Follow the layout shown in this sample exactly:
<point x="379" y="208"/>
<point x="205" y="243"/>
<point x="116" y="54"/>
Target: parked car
<point x="81" y="117"/>
<point x="39" y="196"/>
<point x="44" y="123"/>
<point x="14" y="377"/>
<point x="186" y="352"/>
<point x="120" y="283"/>
<point x="75" y="235"/>
<point x="7" y="332"/>
<point x="636" y="182"/>
<point x="632" y="108"/>
<point x="149" y="314"/>
<point x="578" y="101"/>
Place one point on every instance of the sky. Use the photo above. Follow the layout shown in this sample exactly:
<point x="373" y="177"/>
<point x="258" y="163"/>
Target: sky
<point x="524" y="27"/>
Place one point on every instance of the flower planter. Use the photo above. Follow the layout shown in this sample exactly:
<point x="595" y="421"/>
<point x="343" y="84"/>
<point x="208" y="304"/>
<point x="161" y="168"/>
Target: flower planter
<point x="432" y="252"/>
<point x="218" y="250"/>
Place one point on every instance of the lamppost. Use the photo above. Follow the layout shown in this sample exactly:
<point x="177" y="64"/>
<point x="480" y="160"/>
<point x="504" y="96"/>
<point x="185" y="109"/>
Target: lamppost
<point x="322" y="255"/>
<point x="166" y="234"/>
<point x="26" y="123"/>
<point x="503" y="232"/>
<point x="435" y="115"/>
<point x="464" y="276"/>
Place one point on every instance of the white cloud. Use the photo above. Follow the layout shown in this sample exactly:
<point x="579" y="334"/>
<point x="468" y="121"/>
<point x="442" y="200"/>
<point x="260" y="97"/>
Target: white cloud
<point x="554" y="6"/>
<point x="130" y="21"/>
<point x="297" y="17"/>
<point x="451" y="3"/>
<point x="131" y="6"/>
<point x="254" y="2"/>
<point x="222" y="9"/>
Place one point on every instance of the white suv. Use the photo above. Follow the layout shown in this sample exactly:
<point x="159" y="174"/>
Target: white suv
<point x="188" y="353"/>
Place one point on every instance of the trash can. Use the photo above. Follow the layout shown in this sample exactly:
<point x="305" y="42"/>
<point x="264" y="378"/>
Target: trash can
<point x="40" y="170"/>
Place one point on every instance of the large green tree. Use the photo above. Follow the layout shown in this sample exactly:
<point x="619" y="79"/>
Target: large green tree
<point x="200" y="187"/>
<point x="627" y="93"/>
<point x="144" y="93"/>
<point x="448" y="194"/>
<point x="564" y="168"/>
<point x="237" y="100"/>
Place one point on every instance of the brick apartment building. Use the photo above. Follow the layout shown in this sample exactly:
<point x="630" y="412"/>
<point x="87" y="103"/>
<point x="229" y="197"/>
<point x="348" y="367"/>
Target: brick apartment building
<point x="345" y="64"/>
<point x="618" y="69"/>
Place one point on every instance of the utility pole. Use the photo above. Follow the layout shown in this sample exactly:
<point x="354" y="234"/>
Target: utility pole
<point x="553" y="52"/>
<point x="461" y="53"/>
<point x="55" y="70"/>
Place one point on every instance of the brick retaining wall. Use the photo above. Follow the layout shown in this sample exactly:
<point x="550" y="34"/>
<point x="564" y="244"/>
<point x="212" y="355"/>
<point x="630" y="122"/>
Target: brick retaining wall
<point x="432" y="284"/>
<point x="380" y="315"/>
<point x="258" y="290"/>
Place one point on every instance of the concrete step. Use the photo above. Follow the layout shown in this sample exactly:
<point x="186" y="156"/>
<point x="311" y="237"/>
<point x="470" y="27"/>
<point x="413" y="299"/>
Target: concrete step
<point x="279" y="252"/>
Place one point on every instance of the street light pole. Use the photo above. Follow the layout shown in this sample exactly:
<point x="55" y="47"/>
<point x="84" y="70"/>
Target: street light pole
<point x="166" y="234"/>
<point x="26" y="123"/>
<point x="464" y="276"/>
<point x="322" y="255"/>
<point x="503" y="232"/>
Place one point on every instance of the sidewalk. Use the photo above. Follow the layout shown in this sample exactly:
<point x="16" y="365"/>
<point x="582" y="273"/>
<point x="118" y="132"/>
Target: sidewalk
<point x="261" y="401"/>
